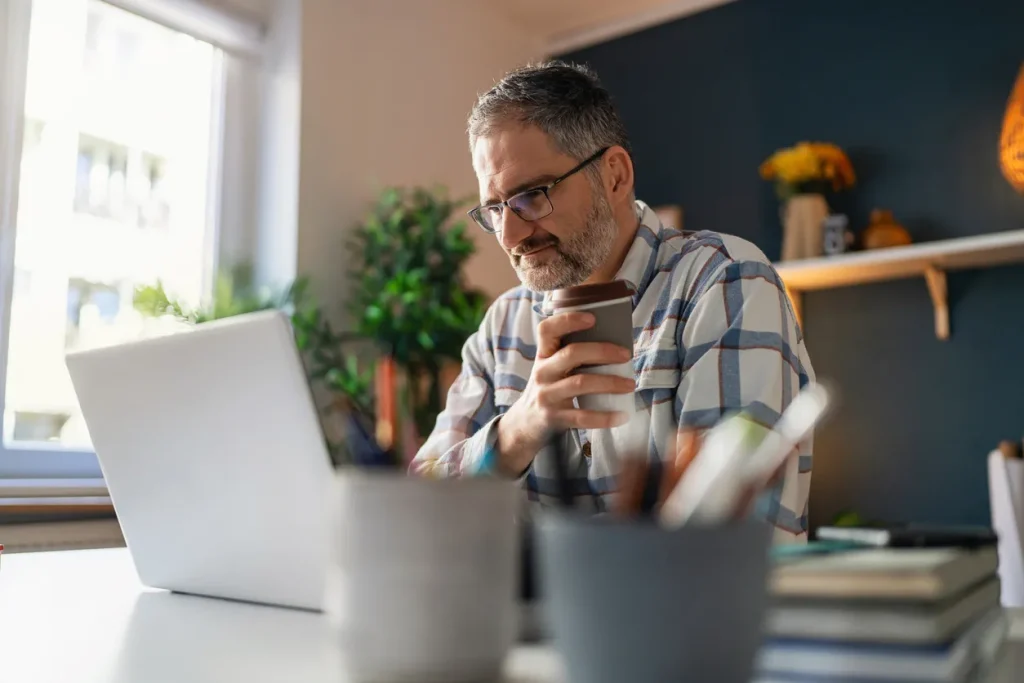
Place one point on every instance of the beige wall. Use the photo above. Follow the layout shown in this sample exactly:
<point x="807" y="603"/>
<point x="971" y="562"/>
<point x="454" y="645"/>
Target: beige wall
<point x="386" y="86"/>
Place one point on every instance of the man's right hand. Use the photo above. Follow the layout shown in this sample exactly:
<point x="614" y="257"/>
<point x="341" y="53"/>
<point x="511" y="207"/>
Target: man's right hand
<point x="546" y="403"/>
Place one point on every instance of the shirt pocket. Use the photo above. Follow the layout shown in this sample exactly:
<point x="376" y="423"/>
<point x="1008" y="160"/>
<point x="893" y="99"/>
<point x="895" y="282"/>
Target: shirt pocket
<point x="658" y="373"/>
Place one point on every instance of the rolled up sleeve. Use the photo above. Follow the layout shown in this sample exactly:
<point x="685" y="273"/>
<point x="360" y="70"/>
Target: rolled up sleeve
<point x="467" y="428"/>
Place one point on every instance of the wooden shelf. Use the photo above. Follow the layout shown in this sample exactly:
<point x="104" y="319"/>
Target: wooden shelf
<point x="929" y="260"/>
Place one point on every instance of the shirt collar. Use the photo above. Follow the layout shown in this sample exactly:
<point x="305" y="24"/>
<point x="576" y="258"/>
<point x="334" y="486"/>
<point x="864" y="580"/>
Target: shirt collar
<point x="637" y="268"/>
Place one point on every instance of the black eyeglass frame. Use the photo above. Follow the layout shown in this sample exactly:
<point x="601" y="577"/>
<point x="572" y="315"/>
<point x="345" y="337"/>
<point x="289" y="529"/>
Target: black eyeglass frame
<point x="476" y="213"/>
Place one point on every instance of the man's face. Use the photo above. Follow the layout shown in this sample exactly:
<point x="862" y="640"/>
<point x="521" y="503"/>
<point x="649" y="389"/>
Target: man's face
<point x="565" y="247"/>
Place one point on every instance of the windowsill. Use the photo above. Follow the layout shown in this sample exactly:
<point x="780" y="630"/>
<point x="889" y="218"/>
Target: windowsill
<point x="85" y="506"/>
<point x="61" y="535"/>
<point x="52" y="500"/>
<point x="53" y="488"/>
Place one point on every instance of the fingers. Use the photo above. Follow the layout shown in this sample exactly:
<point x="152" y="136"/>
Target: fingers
<point x="567" y="359"/>
<point x="551" y="330"/>
<point x="585" y="383"/>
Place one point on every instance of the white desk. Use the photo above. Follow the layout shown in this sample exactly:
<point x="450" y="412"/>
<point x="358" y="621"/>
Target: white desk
<point x="83" y="617"/>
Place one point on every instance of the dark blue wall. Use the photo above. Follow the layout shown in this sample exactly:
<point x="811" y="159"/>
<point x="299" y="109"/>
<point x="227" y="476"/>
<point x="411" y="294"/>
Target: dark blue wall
<point x="915" y="92"/>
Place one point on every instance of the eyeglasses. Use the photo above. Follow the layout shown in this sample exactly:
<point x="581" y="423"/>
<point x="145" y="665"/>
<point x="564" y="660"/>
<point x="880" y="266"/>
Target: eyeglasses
<point x="530" y="205"/>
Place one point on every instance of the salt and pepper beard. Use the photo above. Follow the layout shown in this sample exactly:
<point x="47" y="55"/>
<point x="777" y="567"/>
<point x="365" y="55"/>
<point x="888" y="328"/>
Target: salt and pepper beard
<point x="577" y="256"/>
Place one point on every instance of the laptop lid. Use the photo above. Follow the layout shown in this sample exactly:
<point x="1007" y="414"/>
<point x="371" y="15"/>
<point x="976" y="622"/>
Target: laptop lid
<point x="212" y="449"/>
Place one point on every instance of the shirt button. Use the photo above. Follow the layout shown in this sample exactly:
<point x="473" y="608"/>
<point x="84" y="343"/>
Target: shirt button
<point x="586" y="450"/>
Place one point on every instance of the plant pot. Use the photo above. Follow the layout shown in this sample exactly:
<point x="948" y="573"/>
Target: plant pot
<point x="803" y="226"/>
<point x="631" y="601"/>
<point x="424" y="577"/>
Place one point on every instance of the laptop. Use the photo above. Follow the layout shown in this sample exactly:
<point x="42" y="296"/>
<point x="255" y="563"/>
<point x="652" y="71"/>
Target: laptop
<point x="214" y="456"/>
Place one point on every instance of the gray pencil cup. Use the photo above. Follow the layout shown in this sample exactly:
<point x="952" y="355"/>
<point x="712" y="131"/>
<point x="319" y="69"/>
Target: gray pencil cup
<point x="631" y="601"/>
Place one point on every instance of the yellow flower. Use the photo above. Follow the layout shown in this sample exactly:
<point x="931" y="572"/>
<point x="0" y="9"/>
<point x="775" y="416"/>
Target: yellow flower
<point x="833" y="156"/>
<point x="808" y="162"/>
<point x="794" y="165"/>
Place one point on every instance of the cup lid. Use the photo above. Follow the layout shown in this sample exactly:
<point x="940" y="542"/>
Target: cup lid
<point x="582" y="295"/>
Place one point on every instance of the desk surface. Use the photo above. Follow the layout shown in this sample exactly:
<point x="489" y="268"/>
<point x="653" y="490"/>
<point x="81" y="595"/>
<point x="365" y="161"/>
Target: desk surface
<point x="83" y="616"/>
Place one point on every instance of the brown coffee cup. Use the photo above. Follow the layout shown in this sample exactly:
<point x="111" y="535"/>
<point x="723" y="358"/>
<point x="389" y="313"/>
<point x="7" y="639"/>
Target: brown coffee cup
<point x="611" y="304"/>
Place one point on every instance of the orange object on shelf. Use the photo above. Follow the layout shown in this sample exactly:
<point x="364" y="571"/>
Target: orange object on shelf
<point x="883" y="231"/>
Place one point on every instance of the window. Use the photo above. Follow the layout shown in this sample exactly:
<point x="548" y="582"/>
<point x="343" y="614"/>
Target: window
<point x="100" y="181"/>
<point x="128" y="186"/>
<point x="112" y="182"/>
<point x="148" y="192"/>
<point x="93" y="309"/>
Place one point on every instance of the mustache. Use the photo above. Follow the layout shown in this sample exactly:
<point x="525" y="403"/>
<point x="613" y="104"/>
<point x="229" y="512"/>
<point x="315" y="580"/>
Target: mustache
<point x="529" y="245"/>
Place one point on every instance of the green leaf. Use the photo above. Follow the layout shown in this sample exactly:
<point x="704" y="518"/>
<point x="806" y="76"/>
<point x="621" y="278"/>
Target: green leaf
<point x="425" y="340"/>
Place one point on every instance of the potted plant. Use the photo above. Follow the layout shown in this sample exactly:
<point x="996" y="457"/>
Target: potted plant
<point x="803" y="174"/>
<point x="409" y="292"/>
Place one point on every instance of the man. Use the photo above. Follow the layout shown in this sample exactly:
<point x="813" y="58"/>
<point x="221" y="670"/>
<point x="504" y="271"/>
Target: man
<point x="713" y="330"/>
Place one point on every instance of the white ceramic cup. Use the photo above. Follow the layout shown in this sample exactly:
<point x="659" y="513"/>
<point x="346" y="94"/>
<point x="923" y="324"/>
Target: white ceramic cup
<point x="424" y="577"/>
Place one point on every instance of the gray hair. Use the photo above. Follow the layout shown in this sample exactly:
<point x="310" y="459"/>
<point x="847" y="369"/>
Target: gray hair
<point x="566" y="101"/>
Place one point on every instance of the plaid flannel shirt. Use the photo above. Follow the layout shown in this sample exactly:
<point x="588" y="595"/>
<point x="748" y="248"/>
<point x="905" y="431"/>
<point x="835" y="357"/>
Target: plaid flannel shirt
<point x="713" y="333"/>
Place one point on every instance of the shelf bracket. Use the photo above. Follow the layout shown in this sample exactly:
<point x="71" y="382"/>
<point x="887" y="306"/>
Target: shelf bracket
<point x="936" y="281"/>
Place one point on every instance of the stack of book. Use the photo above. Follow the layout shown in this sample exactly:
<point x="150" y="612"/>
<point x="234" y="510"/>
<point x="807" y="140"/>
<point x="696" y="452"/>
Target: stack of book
<point x="854" y="613"/>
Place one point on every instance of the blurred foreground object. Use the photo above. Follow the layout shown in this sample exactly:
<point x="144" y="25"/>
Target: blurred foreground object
<point x="843" y="612"/>
<point x="632" y="602"/>
<point x="423" y="581"/>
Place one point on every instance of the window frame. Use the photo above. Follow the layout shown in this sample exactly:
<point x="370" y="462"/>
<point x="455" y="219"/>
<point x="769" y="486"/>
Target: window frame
<point x="228" y="236"/>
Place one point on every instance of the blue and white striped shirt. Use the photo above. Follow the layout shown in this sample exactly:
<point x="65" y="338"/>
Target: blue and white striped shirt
<point x="713" y="333"/>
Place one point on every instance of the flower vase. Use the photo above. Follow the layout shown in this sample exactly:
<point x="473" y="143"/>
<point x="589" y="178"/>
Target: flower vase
<point x="803" y="222"/>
